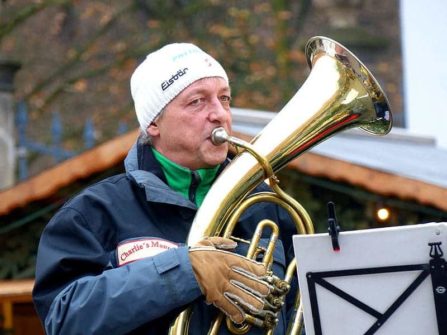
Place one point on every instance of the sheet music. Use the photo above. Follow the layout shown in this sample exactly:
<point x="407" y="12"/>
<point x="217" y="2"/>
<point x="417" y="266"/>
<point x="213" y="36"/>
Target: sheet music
<point x="372" y="248"/>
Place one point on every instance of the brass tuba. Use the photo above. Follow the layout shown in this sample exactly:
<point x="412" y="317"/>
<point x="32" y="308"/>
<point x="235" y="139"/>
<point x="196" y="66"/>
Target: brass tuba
<point x="340" y="93"/>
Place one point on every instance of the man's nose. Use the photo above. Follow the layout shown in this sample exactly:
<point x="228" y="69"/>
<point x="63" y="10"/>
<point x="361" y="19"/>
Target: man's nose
<point x="217" y="111"/>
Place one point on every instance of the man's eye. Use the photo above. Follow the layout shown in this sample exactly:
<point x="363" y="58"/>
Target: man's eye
<point x="196" y="101"/>
<point x="225" y="98"/>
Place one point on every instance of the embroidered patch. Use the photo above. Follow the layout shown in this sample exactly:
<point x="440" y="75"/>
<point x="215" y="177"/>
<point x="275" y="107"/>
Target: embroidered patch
<point x="135" y="249"/>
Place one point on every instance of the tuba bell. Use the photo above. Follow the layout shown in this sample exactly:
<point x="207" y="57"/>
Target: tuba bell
<point x="339" y="93"/>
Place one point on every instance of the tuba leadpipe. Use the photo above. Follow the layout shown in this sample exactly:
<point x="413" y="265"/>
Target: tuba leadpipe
<point x="340" y="93"/>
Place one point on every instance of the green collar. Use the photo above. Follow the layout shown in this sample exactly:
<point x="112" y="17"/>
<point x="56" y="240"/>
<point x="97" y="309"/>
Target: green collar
<point x="193" y="185"/>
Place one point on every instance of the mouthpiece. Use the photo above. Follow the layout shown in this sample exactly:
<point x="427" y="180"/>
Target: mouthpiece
<point x="219" y="136"/>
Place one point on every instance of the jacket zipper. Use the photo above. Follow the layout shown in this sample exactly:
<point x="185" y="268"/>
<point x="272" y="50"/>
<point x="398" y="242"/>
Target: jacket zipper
<point x="195" y="180"/>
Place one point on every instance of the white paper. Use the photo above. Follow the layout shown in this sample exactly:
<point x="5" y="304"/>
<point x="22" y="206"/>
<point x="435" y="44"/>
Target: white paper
<point x="396" y="246"/>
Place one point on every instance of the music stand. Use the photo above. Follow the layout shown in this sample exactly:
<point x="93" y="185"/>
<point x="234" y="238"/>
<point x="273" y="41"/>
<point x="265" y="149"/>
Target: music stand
<point x="381" y="281"/>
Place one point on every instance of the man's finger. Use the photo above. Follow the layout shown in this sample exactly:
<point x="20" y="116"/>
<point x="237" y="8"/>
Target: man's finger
<point x="252" y="282"/>
<point x="242" y="294"/>
<point x="228" y="306"/>
<point x="217" y="242"/>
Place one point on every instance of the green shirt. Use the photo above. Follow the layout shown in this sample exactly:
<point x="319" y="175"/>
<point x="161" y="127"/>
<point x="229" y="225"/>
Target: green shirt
<point x="193" y="185"/>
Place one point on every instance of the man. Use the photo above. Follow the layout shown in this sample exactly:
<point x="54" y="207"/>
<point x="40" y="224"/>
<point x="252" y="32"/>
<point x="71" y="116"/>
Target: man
<point x="113" y="259"/>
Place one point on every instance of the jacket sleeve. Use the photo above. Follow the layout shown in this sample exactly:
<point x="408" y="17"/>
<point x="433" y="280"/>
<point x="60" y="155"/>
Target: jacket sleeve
<point x="78" y="291"/>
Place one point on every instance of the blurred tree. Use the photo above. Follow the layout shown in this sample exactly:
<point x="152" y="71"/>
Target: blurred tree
<point x="77" y="56"/>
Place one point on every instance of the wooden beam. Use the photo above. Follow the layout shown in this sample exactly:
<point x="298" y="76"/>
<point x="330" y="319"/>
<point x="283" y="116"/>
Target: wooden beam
<point x="12" y="292"/>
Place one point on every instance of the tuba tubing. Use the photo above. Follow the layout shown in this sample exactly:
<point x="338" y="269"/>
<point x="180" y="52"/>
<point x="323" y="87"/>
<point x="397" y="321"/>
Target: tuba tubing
<point x="339" y="93"/>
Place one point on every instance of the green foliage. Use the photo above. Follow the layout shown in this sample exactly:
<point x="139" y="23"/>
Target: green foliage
<point x="355" y="208"/>
<point x="18" y="253"/>
<point x="314" y="198"/>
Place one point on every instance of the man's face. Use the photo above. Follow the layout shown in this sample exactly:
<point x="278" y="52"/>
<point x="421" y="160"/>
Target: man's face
<point x="183" y="132"/>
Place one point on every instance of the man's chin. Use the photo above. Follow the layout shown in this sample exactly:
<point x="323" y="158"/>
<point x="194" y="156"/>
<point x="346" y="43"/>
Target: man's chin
<point x="216" y="158"/>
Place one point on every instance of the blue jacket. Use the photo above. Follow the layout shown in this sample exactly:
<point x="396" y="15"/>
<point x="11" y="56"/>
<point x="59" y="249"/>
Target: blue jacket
<point x="93" y="275"/>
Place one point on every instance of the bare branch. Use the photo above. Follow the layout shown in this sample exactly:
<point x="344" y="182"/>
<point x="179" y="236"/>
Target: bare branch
<point x="26" y="13"/>
<point x="79" y="53"/>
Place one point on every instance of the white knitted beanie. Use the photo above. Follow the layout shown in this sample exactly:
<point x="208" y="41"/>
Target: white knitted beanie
<point x="167" y="72"/>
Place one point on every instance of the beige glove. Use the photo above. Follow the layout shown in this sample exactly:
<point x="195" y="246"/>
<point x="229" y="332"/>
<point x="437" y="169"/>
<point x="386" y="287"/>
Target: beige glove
<point x="229" y="281"/>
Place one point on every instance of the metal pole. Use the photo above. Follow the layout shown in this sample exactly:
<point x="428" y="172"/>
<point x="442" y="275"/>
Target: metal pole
<point x="7" y="142"/>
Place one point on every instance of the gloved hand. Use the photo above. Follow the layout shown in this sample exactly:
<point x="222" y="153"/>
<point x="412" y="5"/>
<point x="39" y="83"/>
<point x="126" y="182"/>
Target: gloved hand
<point x="229" y="281"/>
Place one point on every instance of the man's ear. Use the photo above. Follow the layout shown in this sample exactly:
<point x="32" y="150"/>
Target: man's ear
<point x="153" y="130"/>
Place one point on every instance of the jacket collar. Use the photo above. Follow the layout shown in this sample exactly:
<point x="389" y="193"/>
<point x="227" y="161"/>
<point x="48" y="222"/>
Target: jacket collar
<point x="142" y="167"/>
